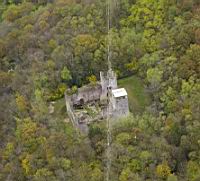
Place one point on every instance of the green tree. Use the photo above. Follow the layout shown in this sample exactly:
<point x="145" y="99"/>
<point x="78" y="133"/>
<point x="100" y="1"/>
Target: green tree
<point x="65" y="74"/>
<point x="154" y="76"/>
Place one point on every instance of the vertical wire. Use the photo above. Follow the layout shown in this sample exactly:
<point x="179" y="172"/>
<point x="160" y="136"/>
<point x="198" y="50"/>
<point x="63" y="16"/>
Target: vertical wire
<point x="108" y="149"/>
<point x="109" y="38"/>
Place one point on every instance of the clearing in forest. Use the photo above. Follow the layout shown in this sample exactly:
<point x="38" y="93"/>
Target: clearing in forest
<point x="137" y="95"/>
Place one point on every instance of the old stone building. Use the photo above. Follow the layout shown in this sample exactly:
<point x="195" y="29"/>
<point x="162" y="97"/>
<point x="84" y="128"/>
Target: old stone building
<point x="119" y="103"/>
<point x="96" y="102"/>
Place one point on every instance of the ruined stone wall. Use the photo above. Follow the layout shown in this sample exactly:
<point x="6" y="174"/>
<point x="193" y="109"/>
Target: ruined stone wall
<point x="70" y="110"/>
<point x="87" y="94"/>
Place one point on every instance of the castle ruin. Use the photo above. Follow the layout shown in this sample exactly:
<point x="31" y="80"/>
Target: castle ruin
<point x="96" y="102"/>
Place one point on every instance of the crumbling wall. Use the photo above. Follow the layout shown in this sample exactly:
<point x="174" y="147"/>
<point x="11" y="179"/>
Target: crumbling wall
<point x="70" y="110"/>
<point x="87" y="94"/>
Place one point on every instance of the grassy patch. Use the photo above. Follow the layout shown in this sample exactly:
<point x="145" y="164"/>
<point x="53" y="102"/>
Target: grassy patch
<point x="138" y="98"/>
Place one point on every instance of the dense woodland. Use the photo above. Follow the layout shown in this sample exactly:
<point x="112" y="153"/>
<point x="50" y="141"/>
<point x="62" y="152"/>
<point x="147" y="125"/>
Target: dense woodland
<point x="48" y="46"/>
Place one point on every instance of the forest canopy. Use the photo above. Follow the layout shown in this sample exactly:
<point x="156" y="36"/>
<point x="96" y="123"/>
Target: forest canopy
<point x="50" y="46"/>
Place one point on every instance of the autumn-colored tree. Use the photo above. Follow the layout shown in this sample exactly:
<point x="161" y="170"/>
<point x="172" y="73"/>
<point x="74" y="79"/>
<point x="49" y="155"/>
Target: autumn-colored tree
<point x="163" y="170"/>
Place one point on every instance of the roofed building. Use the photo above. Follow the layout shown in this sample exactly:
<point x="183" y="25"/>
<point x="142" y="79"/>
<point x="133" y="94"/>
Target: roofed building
<point x="119" y="102"/>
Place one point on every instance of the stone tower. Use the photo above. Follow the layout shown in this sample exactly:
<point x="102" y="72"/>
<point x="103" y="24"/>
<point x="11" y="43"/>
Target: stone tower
<point x="108" y="82"/>
<point x="117" y="98"/>
<point x="119" y="103"/>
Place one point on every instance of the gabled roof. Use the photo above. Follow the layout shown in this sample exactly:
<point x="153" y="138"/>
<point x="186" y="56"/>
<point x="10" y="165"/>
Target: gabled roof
<point x="119" y="92"/>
